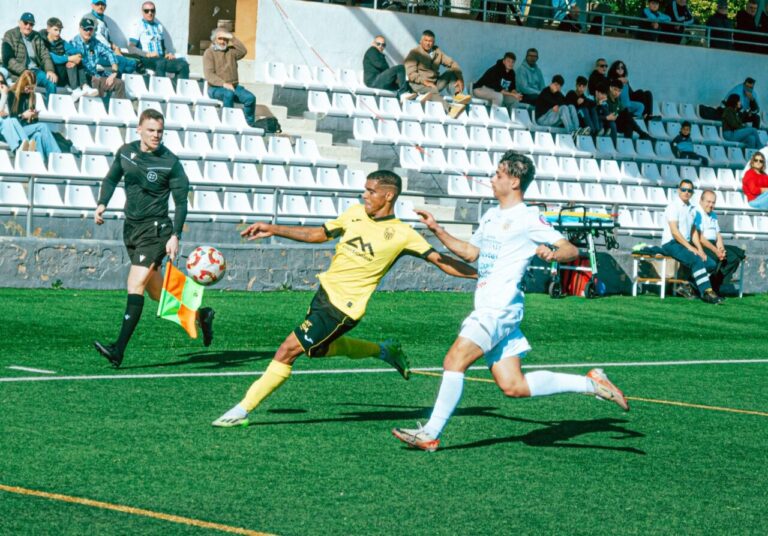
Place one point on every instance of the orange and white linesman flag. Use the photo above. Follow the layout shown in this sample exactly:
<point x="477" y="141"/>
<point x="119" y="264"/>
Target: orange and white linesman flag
<point x="180" y="299"/>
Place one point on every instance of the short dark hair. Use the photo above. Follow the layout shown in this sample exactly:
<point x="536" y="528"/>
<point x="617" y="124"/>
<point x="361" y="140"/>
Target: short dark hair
<point x="531" y="50"/>
<point x="390" y="178"/>
<point x="53" y="22"/>
<point x="581" y="81"/>
<point x="557" y="79"/>
<point x="151" y="113"/>
<point x="684" y="181"/>
<point x="428" y="33"/>
<point x="510" y="55"/>
<point x="520" y="166"/>
<point x="616" y="83"/>
<point x="602" y="87"/>
<point x="732" y="100"/>
<point x="685" y="124"/>
<point x="749" y="80"/>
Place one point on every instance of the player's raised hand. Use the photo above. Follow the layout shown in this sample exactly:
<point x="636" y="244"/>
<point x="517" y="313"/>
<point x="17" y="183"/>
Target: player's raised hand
<point x="427" y="219"/>
<point x="545" y="253"/>
<point x="257" y="231"/>
<point x="97" y="216"/>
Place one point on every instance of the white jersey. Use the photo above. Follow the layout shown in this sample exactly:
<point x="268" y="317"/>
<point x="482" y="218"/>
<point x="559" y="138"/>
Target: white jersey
<point x="507" y="239"/>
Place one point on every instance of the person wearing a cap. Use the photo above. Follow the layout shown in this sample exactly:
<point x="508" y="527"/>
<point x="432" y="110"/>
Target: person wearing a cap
<point x="95" y="53"/>
<point x="148" y="41"/>
<point x="23" y="49"/>
<point x="721" y="35"/>
<point x="101" y="34"/>
<point x="220" y="71"/>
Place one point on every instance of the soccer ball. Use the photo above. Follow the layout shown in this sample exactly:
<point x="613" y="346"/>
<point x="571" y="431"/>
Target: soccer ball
<point x="206" y="265"/>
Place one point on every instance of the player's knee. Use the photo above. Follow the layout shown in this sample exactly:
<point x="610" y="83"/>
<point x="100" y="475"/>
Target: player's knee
<point x="515" y="389"/>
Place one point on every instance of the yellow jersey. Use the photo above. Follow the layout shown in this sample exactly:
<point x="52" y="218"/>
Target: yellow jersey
<point x="367" y="249"/>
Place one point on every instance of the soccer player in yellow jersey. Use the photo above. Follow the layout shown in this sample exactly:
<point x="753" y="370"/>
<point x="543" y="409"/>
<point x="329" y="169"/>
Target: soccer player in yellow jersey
<point x="371" y="239"/>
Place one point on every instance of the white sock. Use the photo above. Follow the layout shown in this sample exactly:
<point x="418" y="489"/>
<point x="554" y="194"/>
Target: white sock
<point x="447" y="400"/>
<point x="238" y="412"/>
<point x="543" y="383"/>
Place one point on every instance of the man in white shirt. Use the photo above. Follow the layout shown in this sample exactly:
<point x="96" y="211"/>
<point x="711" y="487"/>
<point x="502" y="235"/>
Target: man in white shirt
<point x="508" y="237"/>
<point x="680" y="240"/>
<point x="727" y="258"/>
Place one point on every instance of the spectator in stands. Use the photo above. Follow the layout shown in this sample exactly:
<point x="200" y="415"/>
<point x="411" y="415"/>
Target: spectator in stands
<point x="682" y="146"/>
<point x="66" y="63"/>
<point x="585" y="107"/>
<point x="734" y="129"/>
<point x="570" y="22"/>
<point x="727" y="258"/>
<point x="639" y="103"/>
<point x="606" y="112"/>
<point x="10" y="128"/>
<point x="530" y="80"/>
<point x="598" y="76"/>
<point x="754" y="184"/>
<point x="721" y="34"/>
<point x="220" y="70"/>
<point x="148" y="41"/>
<point x="750" y="109"/>
<point x="95" y="53"/>
<point x="21" y="105"/>
<point x="680" y="240"/>
<point x="497" y="84"/>
<point x="625" y="123"/>
<point x="551" y="109"/>
<point x="654" y="22"/>
<point x="422" y="68"/>
<point x="746" y="21"/>
<point x="101" y="34"/>
<point x="23" y="49"/>
<point x="681" y="19"/>
<point x="378" y="74"/>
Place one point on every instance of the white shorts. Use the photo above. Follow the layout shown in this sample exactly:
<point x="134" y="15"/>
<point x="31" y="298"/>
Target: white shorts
<point x="497" y="337"/>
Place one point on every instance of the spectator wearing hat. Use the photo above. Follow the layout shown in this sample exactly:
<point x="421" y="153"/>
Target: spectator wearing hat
<point x="376" y="70"/>
<point x="148" y="40"/>
<point x="721" y="34"/>
<point x="551" y="109"/>
<point x="23" y="49"/>
<point x="220" y="71"/>
<point x="101" y="34"/>
<point x="94" y="54"/>
<point x="750" y="109"/>
<point x="655" y="22"/>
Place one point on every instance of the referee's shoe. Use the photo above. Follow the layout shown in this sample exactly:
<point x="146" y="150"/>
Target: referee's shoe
<point x="206" y="324"/>
<point x="111" y="352"/>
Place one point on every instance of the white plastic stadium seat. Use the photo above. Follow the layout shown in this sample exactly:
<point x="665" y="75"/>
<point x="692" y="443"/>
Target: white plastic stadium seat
<point x="192" y="170"/>
<point x="48" y="196"/>
<point x="237" y="203"/>
<point x="328" y="178"/>
<point x="189" y="91"/>
<point x="276" y="73"/>
<point x="208" y="117"/>
<point x="204" y="201"/>
<point x="318" y="102"/>
<point x="79" y="196"/>
<point x="122" y="109"/>
<point x="136" y="88"/>
<point x="94" y="166"/>
<point x="274" y="175"/>
<point x="306" y="151"/>
<point x="161" y="88"/>
<point x="93" y="108"/>
<point x="216" y="171"/>
<point x="30" y="162"/>
<point x="63" y="165"/>
<point x="246" y="173"/>
<point x="64" y="107"/>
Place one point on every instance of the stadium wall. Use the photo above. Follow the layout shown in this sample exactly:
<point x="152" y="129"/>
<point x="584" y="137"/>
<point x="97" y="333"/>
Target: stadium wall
<point x="173" y="14"/>
<point x="341" y="35"/>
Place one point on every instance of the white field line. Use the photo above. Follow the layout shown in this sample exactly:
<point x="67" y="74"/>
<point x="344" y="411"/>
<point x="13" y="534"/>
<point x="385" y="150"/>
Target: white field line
<point x="375" y="370"/>
<point x="29" y="369"/>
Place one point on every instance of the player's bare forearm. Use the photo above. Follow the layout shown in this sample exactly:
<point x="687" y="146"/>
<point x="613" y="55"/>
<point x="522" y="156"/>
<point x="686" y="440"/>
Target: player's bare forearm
<point x="561" y="251"/>
<point x="452" y="266"/>
<point x="313" y="235"/>
<point x="463" y="249"/>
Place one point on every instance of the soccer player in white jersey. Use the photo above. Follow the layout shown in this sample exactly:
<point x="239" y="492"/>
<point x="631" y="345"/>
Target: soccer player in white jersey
<point x="508" y="237"/>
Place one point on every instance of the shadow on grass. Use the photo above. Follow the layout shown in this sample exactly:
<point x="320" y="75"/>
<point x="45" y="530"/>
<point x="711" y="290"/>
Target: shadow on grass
<point x="211" y="360"/>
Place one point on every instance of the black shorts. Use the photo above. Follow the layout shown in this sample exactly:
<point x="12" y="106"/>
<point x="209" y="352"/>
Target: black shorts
<point x="146" y="241"/>
<point x="322" y="325"/>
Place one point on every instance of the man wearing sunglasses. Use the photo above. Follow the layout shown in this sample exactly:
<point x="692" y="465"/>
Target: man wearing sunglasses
<point x="102" y="35"/>
<point x="95" y="53"/>
<point x="598" y="76"/>
<point x="376" y="70"/>
<point x="149" y="42"/>
<point x="681" y="241"/>
<point x="24" y="49"/>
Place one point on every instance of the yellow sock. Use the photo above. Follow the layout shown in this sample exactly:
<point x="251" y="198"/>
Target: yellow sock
<point x="353" y="348"/>
<point x="273" y="377"/>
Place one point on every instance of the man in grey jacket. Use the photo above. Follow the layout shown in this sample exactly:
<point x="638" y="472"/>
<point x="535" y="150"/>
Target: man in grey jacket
<point x="529" y="79"/>
<point x="24" y="49"/>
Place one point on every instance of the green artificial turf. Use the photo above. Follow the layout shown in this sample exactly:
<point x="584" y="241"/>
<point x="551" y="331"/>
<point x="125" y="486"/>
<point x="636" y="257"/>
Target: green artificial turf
<point x="318" y="457"/>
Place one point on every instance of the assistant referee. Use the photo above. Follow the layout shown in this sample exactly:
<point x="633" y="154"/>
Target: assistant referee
<point x="152" y="173"/>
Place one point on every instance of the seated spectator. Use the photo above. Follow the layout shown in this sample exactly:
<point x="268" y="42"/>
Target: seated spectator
<point x="23" y="50"/>
<point x="682" y="146"/>
<point x="625" y="123"/>
<point x="94" y="53"/>
<point x="721" y="34"/>
<point x="497" y="84"/>
<point x="680" y="240"/>
<point x="147" y="40"/>
<point x="754" y="184"/>
<point x="727" y="258"/>
<point x="101" y="34"/>
<point x="422" y="68"/>
<point x="606" y="113"/>
<point x="734" y="129"/>
<point x="585" y="107"/>
<point x="66" y="63"/>
<point x="654" y="22"/>
<point x="598" y="76"/>
<point x="220" y="70"/>
<point x="10" y="128"/>
<point x="376" y="70"/>
<point x="551" y="109"/>
<point x="745" y="21"/>
<point x="21" y="105"/>
<point x="639" y="103"/>
<point x="570" y="22"/>
<point x="681" y="19"/>
<point x="530" y="80"/>
<point x="750" y="109"/>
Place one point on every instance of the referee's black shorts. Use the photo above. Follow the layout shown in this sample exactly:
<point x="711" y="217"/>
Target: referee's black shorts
<point x="145" y="241"/>
<point x="322" y="325"/>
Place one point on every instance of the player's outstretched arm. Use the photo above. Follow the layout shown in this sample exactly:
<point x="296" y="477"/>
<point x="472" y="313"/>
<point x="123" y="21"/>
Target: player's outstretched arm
<point x="452" y="266"/>
<point x="313" y="235"/>
<point x="463" y="249"/>
<point x="563" y="251"/>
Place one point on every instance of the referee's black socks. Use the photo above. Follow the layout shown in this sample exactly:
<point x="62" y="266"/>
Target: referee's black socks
<point x="130" y="320"/>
